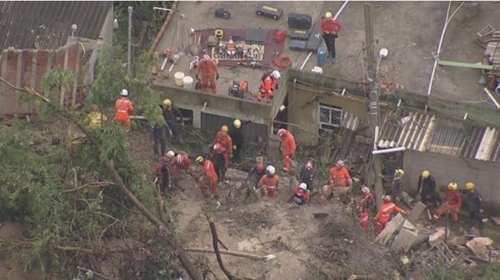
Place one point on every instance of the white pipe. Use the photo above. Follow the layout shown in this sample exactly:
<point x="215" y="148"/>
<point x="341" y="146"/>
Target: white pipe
<point x="305" y="61"/>
<point x="492" y="98"/>
<point x="429" y="88"/>
<point x="385" y="151"/>
<point x="375" y="138"/>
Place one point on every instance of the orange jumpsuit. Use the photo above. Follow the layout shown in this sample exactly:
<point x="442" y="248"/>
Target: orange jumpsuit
<point x="384" y="215"/>
<point x="364" y="205"/>
<point x="288" y="148"/>
<point x="223" y="139"/>
<point x="185" y="164"/>
<point x="452" y="204"/>
<point x="209" y="179"/>
<point x="267" y="87"/>
<point x="339" y="181"/>
<point x="269" y="185"/>
<point x="122" y="108"/>
<point x="209" y="71"/>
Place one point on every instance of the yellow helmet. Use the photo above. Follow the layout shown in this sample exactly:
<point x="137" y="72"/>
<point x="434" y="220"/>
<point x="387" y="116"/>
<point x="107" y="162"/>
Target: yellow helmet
<point x="399" y="172"/>
<point x="453" y="186"/>
<point x="426" y="174"/>
<point x="328" y="15"/>
<point x="224" y="128"/>
<point x="237" y="123"/>
<point x="167" y="102"/>
<point x="199" y="159"/>
<point x="469" y="186"/>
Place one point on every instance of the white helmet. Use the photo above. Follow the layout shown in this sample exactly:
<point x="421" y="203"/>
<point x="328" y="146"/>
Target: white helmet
<point x="281" y="132"/>
<point x="270" y="169"/>
<point x="303" y="186"/>
<point x="124" y="92"/>
<point x="178" y="158"/>
<point x="170" y="154"/>
<point x="216" y="147"/>
<point x="276" y="74"/>
<point x="365" y="189"/>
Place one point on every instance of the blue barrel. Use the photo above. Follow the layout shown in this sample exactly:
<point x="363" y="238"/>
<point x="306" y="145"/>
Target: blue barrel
<point x="321" y="56"/>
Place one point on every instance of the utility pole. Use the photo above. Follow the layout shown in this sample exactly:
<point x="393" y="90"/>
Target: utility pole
<point x="372" y="70"/>
<point x="129" y="51"/>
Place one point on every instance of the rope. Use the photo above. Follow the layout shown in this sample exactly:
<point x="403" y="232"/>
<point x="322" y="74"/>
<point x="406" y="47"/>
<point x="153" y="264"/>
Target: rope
<point x="282" y="62"/>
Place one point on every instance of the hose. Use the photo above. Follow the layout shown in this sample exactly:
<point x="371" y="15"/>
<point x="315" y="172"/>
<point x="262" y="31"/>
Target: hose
<point x="282" y="62"/>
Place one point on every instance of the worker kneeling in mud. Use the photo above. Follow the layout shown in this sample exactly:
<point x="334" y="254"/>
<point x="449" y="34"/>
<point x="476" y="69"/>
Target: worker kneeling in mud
<point x="268" y="184"/>
<point x="384" y="214"/>
<point x="301" y="194"/>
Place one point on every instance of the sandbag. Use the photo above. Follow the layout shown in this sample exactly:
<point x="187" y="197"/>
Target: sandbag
<point x="299" y="21"/>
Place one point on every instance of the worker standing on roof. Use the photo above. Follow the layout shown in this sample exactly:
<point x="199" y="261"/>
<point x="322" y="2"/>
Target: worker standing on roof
<point x="268" y="184"/>
<point x="209" y="72"/>
<point x="384" y="214"/>
<point x="474" y="202"/>
<point x="95" y="119"/>
<point x="159" y="132"/>
<point x="208" y="179"/>
<point x="268" y="84"/>
<point x="238" y="139"/>
<point x="397" y="184"/>
<point x="364" y="206"/>
<point x="307" y="175"/>
<point x="451" y="204"/>
<point x="426" y="188"/>
<point x="330" y="28"/>
<point x="222" y="137"/>
<point x="287" y="147"/>
<point x="122" y="108"/>
<point x="174" y="118"/>
<point x="340" y="182"/>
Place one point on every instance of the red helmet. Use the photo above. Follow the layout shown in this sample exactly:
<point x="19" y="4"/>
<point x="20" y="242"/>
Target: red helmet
<point x="387" y="198"/>
<point x="260" y="166"/>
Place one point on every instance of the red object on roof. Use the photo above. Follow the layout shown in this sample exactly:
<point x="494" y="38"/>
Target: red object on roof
<point x="280" y="36"/>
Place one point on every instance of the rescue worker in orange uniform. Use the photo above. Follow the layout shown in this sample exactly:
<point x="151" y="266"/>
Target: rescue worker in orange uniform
<point x="208" y="179"/>
<point x="220" y="159"/>
<point x="179" y="162"/>
<point x="222" y="138"/>
<point x="301" y="194"/>
<point x="209" y="72"/>
<point x="268" y="84"/>
<point x="384" y="214"/>
<point x="287" y="147"/>
<point x="268" y="184"/>
<point x="122" y="108"/>
<point x="95" y="119"/>
<point x="364" y="205"/>
<point x="451" y="203"/>
<point x="340" y="182"/>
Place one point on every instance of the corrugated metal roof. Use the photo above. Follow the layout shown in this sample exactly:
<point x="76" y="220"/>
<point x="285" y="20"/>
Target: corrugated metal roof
<point x="47" y="24"/>
<point x="423" y="132"/>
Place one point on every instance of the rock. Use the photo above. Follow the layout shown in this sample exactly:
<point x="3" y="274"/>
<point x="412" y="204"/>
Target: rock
<point x="457" y="241"/>
<point x="390" y="229"/>
<point x="437" y="236"/>
<point x="416" y="212"/>
<point x="479" y="246"/>
<point x="405" y="238"/>
<point x="495" y="220"/>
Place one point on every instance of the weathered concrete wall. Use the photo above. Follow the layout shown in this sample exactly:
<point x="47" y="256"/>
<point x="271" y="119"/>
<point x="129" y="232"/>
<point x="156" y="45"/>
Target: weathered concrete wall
<point x="448" y="169"/>
<point x="27" y="68"/>
<point x="217" y="104"/>
<point x="304" y="111"/>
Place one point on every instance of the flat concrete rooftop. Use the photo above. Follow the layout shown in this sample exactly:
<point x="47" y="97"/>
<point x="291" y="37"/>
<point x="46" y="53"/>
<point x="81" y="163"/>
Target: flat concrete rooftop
<point x="409" y="30"/>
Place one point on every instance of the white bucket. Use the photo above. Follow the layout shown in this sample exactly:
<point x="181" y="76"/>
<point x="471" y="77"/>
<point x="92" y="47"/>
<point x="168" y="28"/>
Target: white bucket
<point x="179" y="76"/>
<point x="188" y="82"/>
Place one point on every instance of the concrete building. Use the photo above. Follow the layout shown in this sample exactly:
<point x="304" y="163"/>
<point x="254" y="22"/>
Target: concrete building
<point x="37" y="36"/>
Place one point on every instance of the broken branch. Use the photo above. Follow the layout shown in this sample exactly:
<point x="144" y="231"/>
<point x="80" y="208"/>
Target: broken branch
<point x="93" y="184"/>
<point x="233" y="253"/>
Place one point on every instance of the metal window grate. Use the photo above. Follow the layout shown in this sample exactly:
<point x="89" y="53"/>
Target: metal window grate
<point x="329" y="117"/>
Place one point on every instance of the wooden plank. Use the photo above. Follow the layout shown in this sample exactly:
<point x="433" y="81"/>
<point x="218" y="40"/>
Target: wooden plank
<point x="465" y="65"/>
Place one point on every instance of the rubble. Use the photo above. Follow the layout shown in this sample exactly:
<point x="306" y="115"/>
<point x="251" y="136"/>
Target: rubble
<point x="390" y="230"/>
<point x="405" y="238"/>
<point x="495" y="220"/>
<point x="416" y="212"/>
<point x="480" y="246"/>
<point x="438" y="236"/>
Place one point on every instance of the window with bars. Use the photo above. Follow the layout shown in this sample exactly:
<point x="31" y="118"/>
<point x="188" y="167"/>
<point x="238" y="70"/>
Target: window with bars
<point x="329" y="117"/>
